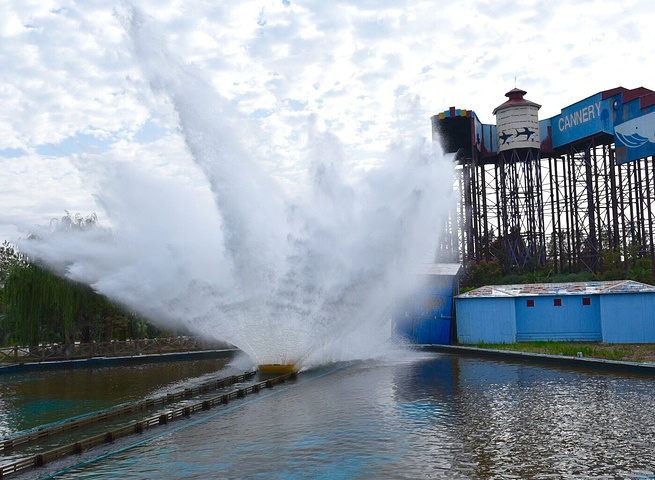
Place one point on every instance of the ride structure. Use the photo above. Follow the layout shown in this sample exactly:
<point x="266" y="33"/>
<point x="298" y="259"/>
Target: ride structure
<point x="562" y="192"/>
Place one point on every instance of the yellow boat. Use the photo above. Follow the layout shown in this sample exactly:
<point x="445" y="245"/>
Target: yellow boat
<point x="278" y="368"/>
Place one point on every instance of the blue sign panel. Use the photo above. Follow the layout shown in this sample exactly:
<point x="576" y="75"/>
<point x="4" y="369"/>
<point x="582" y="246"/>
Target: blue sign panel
<point x="634" y="130"/>
<point x="486" y="138"/>
<point x="580" y="120"/>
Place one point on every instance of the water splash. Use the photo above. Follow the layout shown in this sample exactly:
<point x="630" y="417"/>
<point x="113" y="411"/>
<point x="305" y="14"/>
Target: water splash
<point x="303" y="278"/>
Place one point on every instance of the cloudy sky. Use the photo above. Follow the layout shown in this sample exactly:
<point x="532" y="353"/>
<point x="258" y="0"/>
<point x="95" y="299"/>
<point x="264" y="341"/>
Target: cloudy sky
<point x="72" y="92"/>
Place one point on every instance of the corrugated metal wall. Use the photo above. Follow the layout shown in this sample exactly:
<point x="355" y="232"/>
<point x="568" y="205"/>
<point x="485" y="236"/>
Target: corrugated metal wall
<point x="628" y="318"/>
<point x="426" y="318"/>
<point x="611" y="318"/>
<point x="568" y="318"/>
<point x="486" y="320"/>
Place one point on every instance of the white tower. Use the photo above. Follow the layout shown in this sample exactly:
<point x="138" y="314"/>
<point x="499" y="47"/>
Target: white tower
<point x="517" y="122"/>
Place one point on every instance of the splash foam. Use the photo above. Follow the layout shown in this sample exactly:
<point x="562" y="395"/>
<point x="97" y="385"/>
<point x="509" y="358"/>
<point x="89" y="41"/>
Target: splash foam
<point x="299" y="275"/>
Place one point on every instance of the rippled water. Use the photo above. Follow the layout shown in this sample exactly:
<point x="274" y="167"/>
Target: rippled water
<point x="32" y="398"/>
<point x="437" y="416"/>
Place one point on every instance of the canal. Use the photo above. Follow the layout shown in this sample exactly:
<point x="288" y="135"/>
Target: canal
<point x="425" y="415"/>
<point x="35" y="397"/>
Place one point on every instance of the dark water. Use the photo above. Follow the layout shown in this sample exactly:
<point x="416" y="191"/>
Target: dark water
<point x="33" y="398"/>
<point x="436" y="416"/>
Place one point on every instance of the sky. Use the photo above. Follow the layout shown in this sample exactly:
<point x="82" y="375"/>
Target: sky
<point x="73" y="95"/>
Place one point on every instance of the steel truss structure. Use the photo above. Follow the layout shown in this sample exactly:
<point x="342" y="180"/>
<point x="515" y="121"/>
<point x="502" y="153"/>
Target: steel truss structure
<point x="567" y="208"/>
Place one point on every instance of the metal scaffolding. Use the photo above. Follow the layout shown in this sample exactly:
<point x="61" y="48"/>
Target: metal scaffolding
<point x="574" y="193"/>
<point x="567" y="209"/>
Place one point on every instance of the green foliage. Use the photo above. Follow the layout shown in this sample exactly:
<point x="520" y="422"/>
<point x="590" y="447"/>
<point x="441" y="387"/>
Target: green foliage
<point x="483" y="273"/>
<point x="534" y="277"/>
<point x="614" y="265"/>
<point x="41" y="307"/>
<point x="572" y="277"/>
<point x="642" y="271"/>
<point x="513" y="279"/>
<point x="9" y="258"/>
<point x="569" y="349"/>
<point x="490" y="273"/>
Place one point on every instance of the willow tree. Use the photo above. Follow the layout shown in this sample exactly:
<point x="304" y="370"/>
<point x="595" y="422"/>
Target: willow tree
<point x="40" y="306"/>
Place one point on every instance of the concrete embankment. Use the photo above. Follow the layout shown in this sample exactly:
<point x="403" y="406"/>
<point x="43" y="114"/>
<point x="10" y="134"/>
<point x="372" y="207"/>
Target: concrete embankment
<point x="117" y="360"/>
<point x="542" y="358"/>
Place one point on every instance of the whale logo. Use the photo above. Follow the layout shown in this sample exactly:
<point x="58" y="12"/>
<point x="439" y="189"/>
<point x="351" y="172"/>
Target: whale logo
<point x="529" y="134"/>
<point x="638" y="131"/>
<point x="506" y="137"/>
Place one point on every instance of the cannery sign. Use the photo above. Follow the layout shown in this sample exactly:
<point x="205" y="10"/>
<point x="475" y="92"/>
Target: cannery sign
<point x="583" y="119"/>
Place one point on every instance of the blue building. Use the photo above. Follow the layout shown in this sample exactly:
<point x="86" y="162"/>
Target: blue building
<point x="427" y="316"/>
<point x="620" y="311"/>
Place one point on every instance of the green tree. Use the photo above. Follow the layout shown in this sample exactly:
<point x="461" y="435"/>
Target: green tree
<point x="642" y="271"/>
<point x="9" y="258"/>
<point x="483" y="273"/>
<point x="613" y="267"/>
<point x="42" y="306"/>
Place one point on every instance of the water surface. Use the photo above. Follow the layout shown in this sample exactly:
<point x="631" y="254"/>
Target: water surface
<point x="32" y="398"/>
<point x="439" y="416"/>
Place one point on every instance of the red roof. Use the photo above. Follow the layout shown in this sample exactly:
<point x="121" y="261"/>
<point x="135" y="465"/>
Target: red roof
<point x="515" y="98"/>
<point x="646" y="96"/>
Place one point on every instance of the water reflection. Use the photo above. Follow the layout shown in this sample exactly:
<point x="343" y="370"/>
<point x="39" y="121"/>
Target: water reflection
<point x="526" y="421"/>
<point x="33" y="398"/>
<point x="438" y="417"/>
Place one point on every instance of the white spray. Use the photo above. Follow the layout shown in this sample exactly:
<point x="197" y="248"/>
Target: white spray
<point x="309" y="278"/>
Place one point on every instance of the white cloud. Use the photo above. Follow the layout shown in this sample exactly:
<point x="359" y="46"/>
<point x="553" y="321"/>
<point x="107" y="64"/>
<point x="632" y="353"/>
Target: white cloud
<point x="363" y="69"/>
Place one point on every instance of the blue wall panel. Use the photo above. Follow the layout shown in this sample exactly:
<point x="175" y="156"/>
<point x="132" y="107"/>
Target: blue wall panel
<point x="628" y="318"/>
<point x="611" y="318"/>
<point x="634" y="130"/>
<point x="570" y="321"/>
<point x="422" y="331"/>
<point x="582" y="119"/>
<point x="486" y="320"/>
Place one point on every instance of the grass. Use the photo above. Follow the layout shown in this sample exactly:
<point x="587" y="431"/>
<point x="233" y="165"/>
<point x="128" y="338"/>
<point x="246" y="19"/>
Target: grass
<point x="631" y="352"/>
